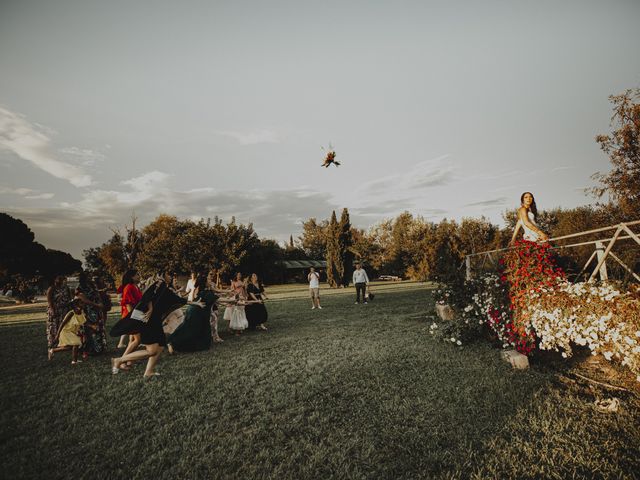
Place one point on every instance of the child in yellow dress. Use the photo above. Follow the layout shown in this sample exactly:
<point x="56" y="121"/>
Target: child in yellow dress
<point x="69" y="332"/>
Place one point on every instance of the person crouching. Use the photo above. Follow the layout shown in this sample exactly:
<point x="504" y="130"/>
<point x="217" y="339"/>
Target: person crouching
<point x="68" y="337"/>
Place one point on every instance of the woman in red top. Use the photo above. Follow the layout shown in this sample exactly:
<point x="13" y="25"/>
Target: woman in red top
<point x="131" y="295"/>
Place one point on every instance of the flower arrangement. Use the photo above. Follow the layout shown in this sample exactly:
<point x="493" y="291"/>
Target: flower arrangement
<point x="598" y="316"/>
<point x="529" y="268"/>
<point x="444" y="295"/>
<point x="530" y="305"/>
<point x="473" y="300"/>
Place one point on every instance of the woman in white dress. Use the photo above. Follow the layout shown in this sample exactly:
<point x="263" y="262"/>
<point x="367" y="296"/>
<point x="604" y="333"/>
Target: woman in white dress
<point x="527" y="214"/>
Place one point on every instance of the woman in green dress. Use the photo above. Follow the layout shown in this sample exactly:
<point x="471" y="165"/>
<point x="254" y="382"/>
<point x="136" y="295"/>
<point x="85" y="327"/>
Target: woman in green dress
<point x="194" y="333"/>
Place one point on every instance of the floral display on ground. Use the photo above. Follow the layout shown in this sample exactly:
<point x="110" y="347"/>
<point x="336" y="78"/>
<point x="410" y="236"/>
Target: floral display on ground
<point x="529" y="304"/>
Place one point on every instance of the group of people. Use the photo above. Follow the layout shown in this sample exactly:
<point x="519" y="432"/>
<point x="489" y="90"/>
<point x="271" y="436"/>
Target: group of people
<point x="152" y="317"/>
<point x="155" y="319"/>
<point x="76" y="320"/>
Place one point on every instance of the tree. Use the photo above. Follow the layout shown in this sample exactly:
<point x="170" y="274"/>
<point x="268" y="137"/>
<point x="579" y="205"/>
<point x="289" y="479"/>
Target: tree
<point x="160" y="245"/>
<point x="477" y="235"/>
<point x="622" y="146"/>
<point x="112" y="255"/>
<point x="331" y="241"/>
<point x="314" y="238"/>
<point x="21" y="254"/>
<point x="345" y="245"/>
<point x="293" y="251"/>
<point x="59" y="263"/>
<point x="92" y="261"/>
<point x="264" y="259"/>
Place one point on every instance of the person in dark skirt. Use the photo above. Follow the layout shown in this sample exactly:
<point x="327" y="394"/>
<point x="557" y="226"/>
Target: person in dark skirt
<point x="158" y="300"/>
<point x="194" y="333"/>
<point x="256" y="311"/>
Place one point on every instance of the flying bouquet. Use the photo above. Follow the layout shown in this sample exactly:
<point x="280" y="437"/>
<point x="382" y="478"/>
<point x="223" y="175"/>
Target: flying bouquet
<point x="330" y="158"/>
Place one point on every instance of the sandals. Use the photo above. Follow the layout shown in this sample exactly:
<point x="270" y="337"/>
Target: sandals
<point x="114" y="369"/>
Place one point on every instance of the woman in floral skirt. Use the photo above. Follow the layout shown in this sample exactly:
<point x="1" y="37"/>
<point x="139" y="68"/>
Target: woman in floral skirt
<point x="58" y="299"/>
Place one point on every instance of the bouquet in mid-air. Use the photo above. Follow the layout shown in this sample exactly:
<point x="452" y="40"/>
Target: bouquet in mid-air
<point x="330" y="158"/>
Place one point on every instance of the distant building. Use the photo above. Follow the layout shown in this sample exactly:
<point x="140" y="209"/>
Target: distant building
<point x="296" y="271"/>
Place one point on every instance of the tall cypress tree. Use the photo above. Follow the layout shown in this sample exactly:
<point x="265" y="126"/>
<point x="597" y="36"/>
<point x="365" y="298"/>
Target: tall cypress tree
<point x="345" y="248"/>
<point x="332" y="252"/>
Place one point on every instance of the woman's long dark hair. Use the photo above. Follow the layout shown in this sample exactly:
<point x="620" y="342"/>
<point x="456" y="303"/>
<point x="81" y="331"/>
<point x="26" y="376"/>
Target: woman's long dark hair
<point x="127" y="278"/>
<point x="260" y="284"/>
<point x="533" y="208"/>
<point x="201" y="284"/>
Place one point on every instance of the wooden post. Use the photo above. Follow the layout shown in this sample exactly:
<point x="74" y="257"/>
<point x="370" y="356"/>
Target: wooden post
<point x="613" y="255"/>
<point x="602" y="262"/>
<point x="606" y="252"/>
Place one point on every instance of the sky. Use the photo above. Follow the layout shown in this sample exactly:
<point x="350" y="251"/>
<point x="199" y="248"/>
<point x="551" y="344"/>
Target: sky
<point x="201" y="108"/>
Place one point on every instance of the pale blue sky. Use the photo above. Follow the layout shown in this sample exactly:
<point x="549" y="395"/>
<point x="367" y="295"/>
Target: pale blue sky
<point x="445" y="109"/>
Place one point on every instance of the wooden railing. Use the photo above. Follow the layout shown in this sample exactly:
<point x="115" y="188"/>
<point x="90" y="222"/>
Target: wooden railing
<point x="602" y="251"/>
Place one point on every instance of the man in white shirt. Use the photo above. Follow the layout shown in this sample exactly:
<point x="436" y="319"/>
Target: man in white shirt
<point x="360" y="280"/>
<point x="314" y="288"/>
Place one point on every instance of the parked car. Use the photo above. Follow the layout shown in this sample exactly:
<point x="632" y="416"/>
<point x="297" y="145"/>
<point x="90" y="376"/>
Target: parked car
<point x="387" y="278"/>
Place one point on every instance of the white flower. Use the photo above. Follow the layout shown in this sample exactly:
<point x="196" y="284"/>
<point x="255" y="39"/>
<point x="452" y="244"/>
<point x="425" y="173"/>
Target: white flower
<point x="458" y="342"/>
<point x="453" y="339"/>
<point x="608" y="355"/>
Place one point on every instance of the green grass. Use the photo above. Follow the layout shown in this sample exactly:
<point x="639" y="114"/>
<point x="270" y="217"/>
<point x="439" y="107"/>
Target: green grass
<point x="347" y="392"/>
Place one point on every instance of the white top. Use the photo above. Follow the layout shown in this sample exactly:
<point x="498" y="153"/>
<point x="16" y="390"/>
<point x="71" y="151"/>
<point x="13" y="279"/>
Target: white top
<point x="360" y="276"/>
<point x="314" y="280"/>
<point x="529" y="234"/>
<point x="190" y="289"/>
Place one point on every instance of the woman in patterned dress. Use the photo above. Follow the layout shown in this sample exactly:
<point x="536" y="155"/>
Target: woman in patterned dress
<point x="58" y="299"/>
<point x="94" y="338"/>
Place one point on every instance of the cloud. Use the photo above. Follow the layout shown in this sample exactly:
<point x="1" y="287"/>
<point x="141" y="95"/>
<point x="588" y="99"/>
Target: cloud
<point x="381" y="209"/>
<point x="426" y="174"/>
<point x="495" y="202"/>
<point x="26" y="193"/>
<point x="274" y="213"/>
<point x="33" y="144"/>
<point x="564" y="167"/>
<point x="251" y="138"/>
<point x="86" y="156"/>
<point x="40" y="196"/>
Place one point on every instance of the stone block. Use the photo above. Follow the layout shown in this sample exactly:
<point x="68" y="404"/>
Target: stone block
<point x="445" y="312"/>
<point x="516" y="359"/>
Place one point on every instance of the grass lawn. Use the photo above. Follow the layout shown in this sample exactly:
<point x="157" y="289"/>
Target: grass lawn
<point x="346" y="392"/>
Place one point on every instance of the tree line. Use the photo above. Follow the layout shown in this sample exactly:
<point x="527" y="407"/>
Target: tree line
<point x="20" y="254"/>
